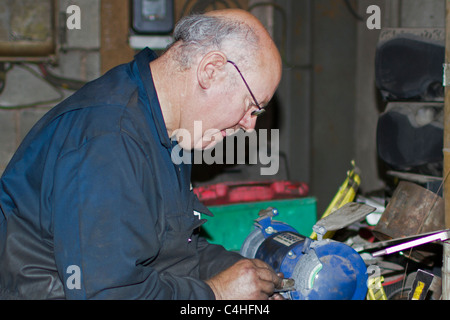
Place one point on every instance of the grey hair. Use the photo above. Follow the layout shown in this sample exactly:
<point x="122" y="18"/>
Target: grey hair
<point x="198" y="34"/>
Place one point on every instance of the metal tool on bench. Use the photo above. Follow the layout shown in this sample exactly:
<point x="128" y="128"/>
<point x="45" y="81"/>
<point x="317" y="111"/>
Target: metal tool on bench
<point x="288" y="284"/>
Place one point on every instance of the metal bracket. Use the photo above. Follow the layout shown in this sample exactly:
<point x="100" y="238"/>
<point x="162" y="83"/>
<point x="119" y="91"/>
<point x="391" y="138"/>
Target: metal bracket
<point x="446" y="74"/>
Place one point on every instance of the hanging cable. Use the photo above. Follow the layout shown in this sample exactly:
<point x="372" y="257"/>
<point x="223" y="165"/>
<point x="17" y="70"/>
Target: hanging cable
<point x="4" y="68"/>
<point x="65" y="83"/>
<point x="352" y="10"/>
<point x="37" y="103"/>
<point x="56" y="82"/>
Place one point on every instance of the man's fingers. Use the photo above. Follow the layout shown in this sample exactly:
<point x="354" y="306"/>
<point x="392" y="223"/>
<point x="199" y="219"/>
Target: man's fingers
<point x="276" y="296"/>
<point x="246" y="279"/>
<point x="268" y="276"/>
<point x="271" y="276"/>
<point x="261" y="264"/>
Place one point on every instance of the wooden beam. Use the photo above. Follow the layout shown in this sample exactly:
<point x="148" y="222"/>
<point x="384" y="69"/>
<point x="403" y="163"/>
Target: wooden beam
<point x="115" y="24"/>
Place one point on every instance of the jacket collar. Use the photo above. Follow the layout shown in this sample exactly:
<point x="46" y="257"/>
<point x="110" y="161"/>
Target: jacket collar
<point x="143" y="58"/>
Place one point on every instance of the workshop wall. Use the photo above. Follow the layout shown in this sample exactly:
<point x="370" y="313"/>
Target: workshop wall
<point x="317" y="94"/>
<point x="396" y="14"/>
<point x="327" y="102"/>
<point x="328" y="99"/>
<point x="25" y="95"/>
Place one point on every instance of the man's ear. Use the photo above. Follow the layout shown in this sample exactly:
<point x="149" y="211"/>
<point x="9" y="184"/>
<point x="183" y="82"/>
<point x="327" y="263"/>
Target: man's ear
<point x="211" y="68"/>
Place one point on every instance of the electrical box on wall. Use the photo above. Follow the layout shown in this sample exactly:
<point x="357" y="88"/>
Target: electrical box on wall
<point x="27" y="29"/>
<point x="153" y="16"/>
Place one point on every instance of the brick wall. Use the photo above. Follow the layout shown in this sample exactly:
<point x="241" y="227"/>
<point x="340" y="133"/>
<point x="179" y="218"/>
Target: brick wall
<point x="77" y="58"/>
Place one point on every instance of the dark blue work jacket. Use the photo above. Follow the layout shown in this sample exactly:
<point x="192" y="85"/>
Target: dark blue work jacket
<point x="92" y="207"/>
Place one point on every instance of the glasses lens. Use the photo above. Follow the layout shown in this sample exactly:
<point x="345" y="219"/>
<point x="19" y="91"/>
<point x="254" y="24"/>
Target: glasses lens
<point x="258" y="112"/>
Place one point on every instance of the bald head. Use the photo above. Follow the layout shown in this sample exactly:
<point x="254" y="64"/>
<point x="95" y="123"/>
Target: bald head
<point x="237" y="15"/>
<point x="241" y="16"/>
<point x="264" y="41"/>
<point x="237" y="33"/>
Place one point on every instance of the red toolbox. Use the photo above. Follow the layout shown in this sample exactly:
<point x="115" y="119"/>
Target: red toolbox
<point x="239" y="192"/>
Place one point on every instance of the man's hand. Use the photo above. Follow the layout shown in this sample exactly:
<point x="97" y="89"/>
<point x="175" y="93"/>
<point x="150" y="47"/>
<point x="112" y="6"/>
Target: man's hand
<point x="248" y="279"/>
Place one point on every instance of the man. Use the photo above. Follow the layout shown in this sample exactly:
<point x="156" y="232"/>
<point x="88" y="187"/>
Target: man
<point x="92" y="205"/>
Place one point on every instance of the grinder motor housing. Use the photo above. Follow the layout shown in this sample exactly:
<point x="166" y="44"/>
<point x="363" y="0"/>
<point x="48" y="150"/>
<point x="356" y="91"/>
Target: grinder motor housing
<point x="322" y="269"/>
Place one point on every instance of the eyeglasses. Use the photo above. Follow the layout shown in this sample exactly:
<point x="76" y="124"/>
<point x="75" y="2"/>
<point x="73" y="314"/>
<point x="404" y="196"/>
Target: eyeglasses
<point x="260" y="110"/>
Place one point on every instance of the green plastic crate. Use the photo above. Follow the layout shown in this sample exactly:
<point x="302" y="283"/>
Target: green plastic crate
<point x="232" y="223"/>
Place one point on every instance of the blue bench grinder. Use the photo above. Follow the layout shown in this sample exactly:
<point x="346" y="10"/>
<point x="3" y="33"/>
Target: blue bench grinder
<point x="322" y="269"/>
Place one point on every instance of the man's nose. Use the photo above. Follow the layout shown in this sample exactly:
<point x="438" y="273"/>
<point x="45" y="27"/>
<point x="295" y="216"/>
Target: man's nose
<point x="248" y="122"/>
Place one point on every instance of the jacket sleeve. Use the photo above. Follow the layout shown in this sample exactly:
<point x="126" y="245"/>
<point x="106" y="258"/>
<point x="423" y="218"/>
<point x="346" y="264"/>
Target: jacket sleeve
<point x="213" y="258"/>
<point x="105" y="227"/>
